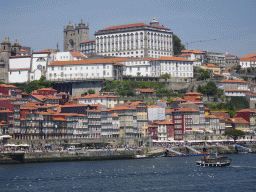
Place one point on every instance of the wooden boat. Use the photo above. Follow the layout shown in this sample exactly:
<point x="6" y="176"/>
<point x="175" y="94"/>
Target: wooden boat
<point x="217" y="161"/>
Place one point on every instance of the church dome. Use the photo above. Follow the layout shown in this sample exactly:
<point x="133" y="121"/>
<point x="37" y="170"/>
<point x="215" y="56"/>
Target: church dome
<point x="16" y="43"/>
<point x="81" y="24"/>
<point x="70" y="26"/>
<point x="154" y="21"/>
<point x="6" y="41"/>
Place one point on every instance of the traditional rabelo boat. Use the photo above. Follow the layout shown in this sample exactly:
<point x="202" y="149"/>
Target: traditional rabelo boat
<point x="218" y="161"/>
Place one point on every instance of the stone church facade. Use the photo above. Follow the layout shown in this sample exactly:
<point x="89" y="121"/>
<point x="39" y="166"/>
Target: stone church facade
<point x="74" y="36"/>
<point x="7" y="50"/>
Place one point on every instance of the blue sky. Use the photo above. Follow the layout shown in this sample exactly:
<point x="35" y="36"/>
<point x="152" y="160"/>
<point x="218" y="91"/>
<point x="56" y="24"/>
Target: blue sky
<point x="39" y="24"/>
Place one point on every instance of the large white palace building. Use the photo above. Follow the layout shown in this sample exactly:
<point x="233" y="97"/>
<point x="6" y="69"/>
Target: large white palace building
<point x="132" y="40"/>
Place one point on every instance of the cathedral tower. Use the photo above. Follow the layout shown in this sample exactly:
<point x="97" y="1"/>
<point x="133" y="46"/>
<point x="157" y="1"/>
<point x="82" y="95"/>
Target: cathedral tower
<point x="4" y="60"/>
<point x="16" y="49"/>
<point x="74" y="36"/>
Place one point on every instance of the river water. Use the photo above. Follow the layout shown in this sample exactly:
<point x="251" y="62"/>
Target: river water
<point x="156" y="174"/>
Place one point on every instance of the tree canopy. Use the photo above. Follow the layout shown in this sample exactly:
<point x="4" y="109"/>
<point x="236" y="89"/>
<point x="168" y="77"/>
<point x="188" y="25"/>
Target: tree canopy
<point x="234" y="133"/>
<point x="204" y="74"/>
<point x="165" y="76"/>
<point x="238" y="68"/>
<point x="177" y="46"/>
<point x="209" y="89"/>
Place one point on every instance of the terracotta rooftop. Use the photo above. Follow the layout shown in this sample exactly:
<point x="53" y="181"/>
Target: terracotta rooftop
<point x="212" y="65"/>
<point x="178" y="99"/>
<point x="77" y="54"/>
<point x="132" y="26"/>
<point x="20" y="69"/>
<point x="165" y="58"/>
<point x="233" y="81"/>
<point x="229" y="55"/>
<point x="89" y="41"/>
<point x="239" y="120"/>
<point x="193" y="93"/>
<point x="192" y="51"/>
<point x="250" y="55"/>
<point x="145" y="90"/>
<point x="164" y="122"/>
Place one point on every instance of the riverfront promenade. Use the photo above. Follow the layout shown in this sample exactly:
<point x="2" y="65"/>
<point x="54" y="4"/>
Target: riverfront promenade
<point x="38" y="156"/>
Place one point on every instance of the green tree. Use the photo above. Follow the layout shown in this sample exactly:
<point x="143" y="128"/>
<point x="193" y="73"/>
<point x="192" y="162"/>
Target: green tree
<point x="177" y="46"/>
<point x="238" y="68"/>
<point x="204" y="74"/>
<point x="234" y="133"/>
<point x="249" y="70"/>
<point x="245" y="78"/>
<point x="165" y="76"/>
<point x="211" y="88"/>
<point x="91" y="91"/>
<point x="31" y="87"/>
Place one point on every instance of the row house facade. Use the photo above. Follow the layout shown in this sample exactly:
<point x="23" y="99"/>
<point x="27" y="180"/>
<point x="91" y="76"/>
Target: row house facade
<point x="233" y="84"/>
<point x="165" y="130"/>
<point x="107" y="99"/>
<point x="198" y="57"/>
<point x="127" y="120"/>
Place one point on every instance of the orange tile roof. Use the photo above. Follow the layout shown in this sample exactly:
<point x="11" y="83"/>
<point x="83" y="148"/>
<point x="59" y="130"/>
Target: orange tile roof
<point x="7" y="86"/>
<point x="212" y="65"/>
<point x="189" y="109"/>
<point x="184" y="55"/>
<point x="178" y="99"/>
<point x="113" y="115"/>
<point x="131" y="26"/>
<point x="82" y="62"/>
<point x="6" y="111"/>
<point x="77" y="54"/>
<point x="98" y="61"/>
<point x="193" y="93"/>
<point x="89" y="41"/>
<point x="23" y="50"/>
<point x="123" y="108"/>
<point x="248" y="59"/>
<point x="47" y="89"/>
<point x="44" y="51"/>
<point x="58" y="119"/>
<point x="233" y="81"/>
<point x="166" y="58"/>
<point x="239" y="120"/>
<point x="246" y="110"/>
<point x="168" y="111"/>
<point x="146" y="90"/>
<point x="20" y="56"/>
<point x="250" y="55"/>
<point x="20" y="69"/>
<point x="192" y="51"/>
<point x="62" y="93"/>
<point x="228" y="55"/>
<point x="164" y="122"/>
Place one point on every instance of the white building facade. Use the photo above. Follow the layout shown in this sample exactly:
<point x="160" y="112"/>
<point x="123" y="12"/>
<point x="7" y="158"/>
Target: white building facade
<point x="135" y="40"/>
<point x="84" y="69"/>
<point x="175" y="66"/>
<point x="19" y="67"/>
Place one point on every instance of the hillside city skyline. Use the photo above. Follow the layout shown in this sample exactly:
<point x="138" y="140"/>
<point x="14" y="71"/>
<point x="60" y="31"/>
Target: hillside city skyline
<point x="40" y="25"/>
